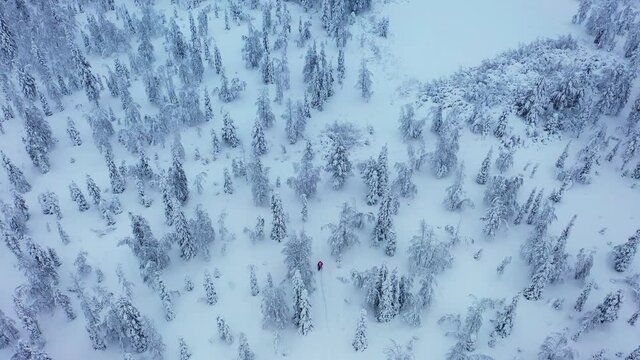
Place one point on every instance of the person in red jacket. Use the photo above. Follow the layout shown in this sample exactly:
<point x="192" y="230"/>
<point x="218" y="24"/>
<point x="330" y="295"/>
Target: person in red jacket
<point x="320" y="263"/>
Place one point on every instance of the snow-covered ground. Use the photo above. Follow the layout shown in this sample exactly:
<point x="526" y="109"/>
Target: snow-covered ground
<point x="429" y="39"/>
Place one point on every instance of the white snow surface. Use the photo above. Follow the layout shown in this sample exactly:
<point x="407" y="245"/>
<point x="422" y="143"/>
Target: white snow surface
<point x="428" y="39"/>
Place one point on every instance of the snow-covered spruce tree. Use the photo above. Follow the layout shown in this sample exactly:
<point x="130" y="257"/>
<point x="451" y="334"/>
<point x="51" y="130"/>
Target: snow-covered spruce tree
<point x="410" y="128"/>
<point x="524" y="209"/>
<point x="266" y="66"/>
<point x="360" y="342"/>
<point x="386" y="310"/>
<point x="29" y="352"/>
<point x="151" y="253"/>
<point x="228" y="184"/>
<point x="259" y="178"/>
<point x="143" y="199"/>
<point x="428" y="256"/>
<point x="606" y="312"/>
<point x="185" y="353"/>
<point x="115" y="177"/>
<point x="533" y="213"/>
<point x="183" y="235"/>
<point x="230" y="91"/>
<point x="165" y="298"/>
<point x="634" y="355"/>
<point x="168" y="200"/>
<point x="211" y="296"/>
<point x="224" y="331"/>
<point x="94" y="190"/>
<point x="495" y="217"/>
<point x="253" y="50"/>
<point x="74" y="134"/>
<point x="49" y="204"/>
<point x="126" y="325"/>
<point x="403" y="184"/>
<point x="9" y="334"/>
<point x="370" y="176"/>
<point x="539" y="281"/>
<point x="82" y="268"/>
<point x="253" y="281"/>
<point x="307" y="176"/>
<point x="297" y="258"/>
<point x="503" y="324"/>
<point x="27" y="82"/>
<point x="8" y="47"/>
<point x="278" y="224"/>
<point x="483" y="174"/>
<point x="556" y="346"/>
<point x="562" y="158"/>
<point x="29" y="322"/>
<point x="456" y="198"/>
<point x="445" y="157"/>
<point x="365" y="82"/>
<point x="229" y="131"/>
<point x="38" y="138"/>
<point x="623" y="254"/>
<point x="383" y="232"/>
<point x="383" y="172"/>
<point x="301" y="305"/>
<point x="584" y="295"/>
<point x="106" y="212"/>
<point x="258" y="142"/>
<point x="188" y="283"/>
<point x="343" y="234"/>
<point x="78" y="197"/>
<point x="504" y="161"/>
<point x="178" y="180"/>
<point x="264" y="113"/>
<point x="244" y="351"/>
<point x="15" y="175"/>
<point x="338" y="164"/>
<point x="215" y="144"/>
<point x="19" y="205"/>
<point x="584" y="263"/>
<point x="275" y="310"/>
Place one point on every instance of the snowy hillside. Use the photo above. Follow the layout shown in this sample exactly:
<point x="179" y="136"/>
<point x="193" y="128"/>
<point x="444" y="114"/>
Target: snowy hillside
<point x="319" y="179"/>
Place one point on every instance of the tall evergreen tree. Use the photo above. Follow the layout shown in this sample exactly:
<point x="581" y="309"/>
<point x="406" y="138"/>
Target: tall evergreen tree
<point x="78" y="197"/>
<point x="224" y="332"/>
<point x="264" y="112"/>
<point x="360" y="342"/>
<point x="623" y="254"/>
<point x="365" y="82"/>
<point x="279" y="226"/>
<point x="184" y="235"/>
<point x="39" y="139"/>
<point x="244" y="352"/>
<point x="228" y="184"/>
<point x="185" y="353"/>
<point x="178" y="180"/>
<point x="305" y="183"/>
<point x="383" y="231"/>
<point x="115" y="177"/>
<point x="258" y="142"/>
<point x="211" y="296"/>
<point x="370" y="176"/>
<point x="9" y="334"/>
<point x="229" y="131"/>
<point x="15" y="175"/>
<point x="483" y="174"/>
<point x="338" y="164"/>
<point x="503" y="325"/>
<point x="302" y="306"/>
